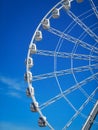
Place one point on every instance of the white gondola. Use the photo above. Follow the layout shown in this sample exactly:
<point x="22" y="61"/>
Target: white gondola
<point x="29" y="61"/>
<point x="33" y="48"/>
<point x="55" y="13"/>
<point x="66" y="4"/>
<point x="38" y="36"/>
<point x="25" y="76"/>
<point x="34" y="107"/>
<point x="32" y="91"/>
<point x="46" y="24"/>
<point x="28" y="92"/>
<point x="28" y="76"/>
<point x="79" y="1"/>
<point x="42" y="122"/>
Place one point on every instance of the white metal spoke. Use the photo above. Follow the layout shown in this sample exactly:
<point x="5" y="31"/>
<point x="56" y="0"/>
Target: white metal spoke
<point x="68" y="101"/>
<point x="68" y="91"/>
<point x="86" y="62"/>
<point x="80" y="109"/>
<point x="76" y="23"/>
<point x="85" y="13"/>
<point x="83" y="115"/>
<point x="67" y="55"/>
<point x="71" y="105"/>
<point x="72" y="39"/>
<point x="85" y="93"/>
<point x="87" y="29"/>
<point x="72" y="24"/>
<point x="94" y="8"/>
<point x="64" y="72"/>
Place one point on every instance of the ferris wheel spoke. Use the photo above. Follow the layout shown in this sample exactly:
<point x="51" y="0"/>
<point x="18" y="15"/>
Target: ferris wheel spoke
<point x="85" y="94"/>
<point x="68" y="91"/>
<point x="86" y="62"/>
<point x="73" y="39"/>
<point x="80" y="84"/>
<point x="94" y="8"/>
<point x="65" y="72"/>
<point x="86" y="13"/>
<point x="82" y="25"/>
<point x="66" y="55"/>
<point x="72" y="24"/>
<point x="80" y="109"/>
<point x="73" y="107"/>
<point x="66" y="99"/>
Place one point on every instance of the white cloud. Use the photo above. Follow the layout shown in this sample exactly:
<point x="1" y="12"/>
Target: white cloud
<point x="15" y="87"/>
<point x="11" y="126"/>
<point x="13" y="83"/>
<point x="14" y="94"/>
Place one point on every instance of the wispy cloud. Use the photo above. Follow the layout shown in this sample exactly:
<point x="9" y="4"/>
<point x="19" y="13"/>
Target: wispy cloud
<point x="13" y="83"/>
<point x="14" y="94"/>
<point x="11" y="126"/>
<point x="15" y="86"/>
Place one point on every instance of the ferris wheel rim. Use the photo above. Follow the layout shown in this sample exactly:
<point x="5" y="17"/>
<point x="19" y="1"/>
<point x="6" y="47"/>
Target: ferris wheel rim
<point x="28" y="55"/>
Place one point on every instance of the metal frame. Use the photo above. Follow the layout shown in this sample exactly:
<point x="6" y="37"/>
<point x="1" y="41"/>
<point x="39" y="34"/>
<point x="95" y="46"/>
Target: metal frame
<point x="72" y="70"/>
<point x="89" y="122"/>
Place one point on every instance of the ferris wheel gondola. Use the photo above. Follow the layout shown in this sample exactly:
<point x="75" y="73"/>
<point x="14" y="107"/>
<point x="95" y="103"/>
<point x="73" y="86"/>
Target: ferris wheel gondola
<point x="66" y="58"/>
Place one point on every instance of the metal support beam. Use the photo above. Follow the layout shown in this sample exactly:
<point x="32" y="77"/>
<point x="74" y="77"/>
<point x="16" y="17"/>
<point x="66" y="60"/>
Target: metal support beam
<point x="91" y="118"/>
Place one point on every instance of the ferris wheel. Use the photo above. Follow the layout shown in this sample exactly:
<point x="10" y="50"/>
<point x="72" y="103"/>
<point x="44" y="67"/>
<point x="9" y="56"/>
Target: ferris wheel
<point x="62" y="67"/>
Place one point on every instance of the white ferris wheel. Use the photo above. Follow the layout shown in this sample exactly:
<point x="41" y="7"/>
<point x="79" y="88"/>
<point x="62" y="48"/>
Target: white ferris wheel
<point x="62" y="67"/>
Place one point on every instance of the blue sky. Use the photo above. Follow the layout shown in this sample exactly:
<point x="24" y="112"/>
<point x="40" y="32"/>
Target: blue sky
<point x="19" y="19"/>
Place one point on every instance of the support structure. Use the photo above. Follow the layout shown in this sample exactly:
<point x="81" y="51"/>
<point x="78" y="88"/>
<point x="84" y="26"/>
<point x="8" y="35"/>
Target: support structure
<point x="91" y="118"/>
